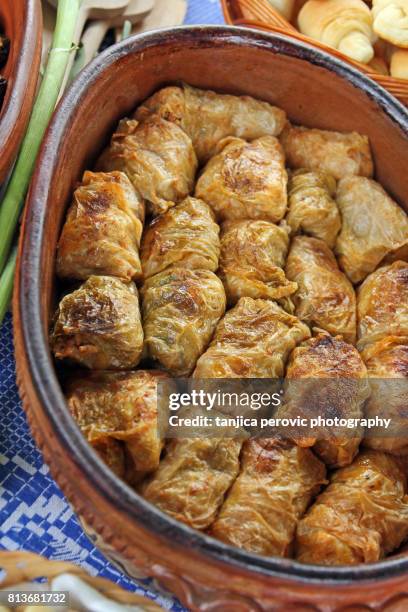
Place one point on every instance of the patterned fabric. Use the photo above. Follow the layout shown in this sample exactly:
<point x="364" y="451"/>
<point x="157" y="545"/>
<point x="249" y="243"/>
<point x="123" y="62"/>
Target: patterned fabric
<point x="34" y="515"/>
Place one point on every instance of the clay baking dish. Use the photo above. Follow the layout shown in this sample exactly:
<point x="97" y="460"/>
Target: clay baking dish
<point x="316" y="90"/>
<point x="21" y="21"/>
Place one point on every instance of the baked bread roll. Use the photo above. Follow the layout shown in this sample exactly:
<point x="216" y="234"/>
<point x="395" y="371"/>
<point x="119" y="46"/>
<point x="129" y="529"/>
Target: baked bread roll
<point x="246" y="180"/>
<point x="361" y="516"/>
<point x="284" y="7"/>
<point x="379" y="65"/>
<point x="345" y="25"/>
<point x="157" y="156"/>
<point x="390" y="21"/>
<point x="399" y="64"/>
<point x="276" y="484"/>
<point x="335" y="153"/>
<point x="312" y="209"/>
<point x="253" y="255"/>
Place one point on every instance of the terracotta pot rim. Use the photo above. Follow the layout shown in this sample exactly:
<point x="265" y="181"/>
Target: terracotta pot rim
<point x="28" y="300"/>
<point x="22" y="70"/>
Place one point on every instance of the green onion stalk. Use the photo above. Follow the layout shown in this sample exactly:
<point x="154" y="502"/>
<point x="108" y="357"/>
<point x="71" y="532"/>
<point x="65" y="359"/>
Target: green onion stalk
<point x="6" y="283"/>
<point x="13" y="202"/>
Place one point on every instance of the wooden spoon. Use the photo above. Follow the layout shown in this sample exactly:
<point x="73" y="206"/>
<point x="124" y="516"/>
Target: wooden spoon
<point x="166" y="14"/>
<point x="95" y="32"/>
<point x="91" y="9"/>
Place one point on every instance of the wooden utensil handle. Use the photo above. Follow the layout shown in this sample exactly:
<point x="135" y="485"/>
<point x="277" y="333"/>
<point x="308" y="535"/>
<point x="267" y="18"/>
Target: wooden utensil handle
<point x="92" y="38"/>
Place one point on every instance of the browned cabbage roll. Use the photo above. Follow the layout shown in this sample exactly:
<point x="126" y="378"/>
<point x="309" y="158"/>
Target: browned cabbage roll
<point x="312" y="209"/>
<point x="158" y="158"/>
<point x="332" y="152"/>
<point x="103" y="229"/>
<point x="112" y="452"/>
<point x="186" y="235"/>
<point x="181" y="309"/>
<point x="253" y="254"/>
<point x="387" y="367"/>
<point x="98" y="325"/>
<point x="342" y="394"/>
<point x="121" y="406"/>
<point x="276" y="484"/>
<point x="246" y="180"/>
<point x="382" y="304"/>
<point x="325" y="297"/>
<point x="361" y="516"/>
<point x="253" y="340"/>
<point x="373" y="226"/>
<point x="193" y="478"/>
<point x="208" y="117"/>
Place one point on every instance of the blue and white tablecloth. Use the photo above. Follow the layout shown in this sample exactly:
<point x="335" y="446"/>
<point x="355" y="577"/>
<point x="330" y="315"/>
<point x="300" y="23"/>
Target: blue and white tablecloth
<point x="34" y="515"/>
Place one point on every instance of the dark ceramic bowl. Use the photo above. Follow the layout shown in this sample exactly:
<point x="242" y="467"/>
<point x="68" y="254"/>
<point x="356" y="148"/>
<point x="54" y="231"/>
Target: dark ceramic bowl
<point x="316" y="90"/>
<point x="22" y="22"/>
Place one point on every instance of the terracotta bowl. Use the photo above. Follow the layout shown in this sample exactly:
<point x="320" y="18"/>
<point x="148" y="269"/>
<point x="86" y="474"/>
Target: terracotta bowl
<point x="21" y="21"/>
<point x="316" y="90"/>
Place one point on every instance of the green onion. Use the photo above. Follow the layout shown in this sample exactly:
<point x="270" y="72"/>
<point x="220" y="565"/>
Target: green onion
<point x="127" y="29"/>
<point x="13" y="201"/>
<point x="6" y="283"/>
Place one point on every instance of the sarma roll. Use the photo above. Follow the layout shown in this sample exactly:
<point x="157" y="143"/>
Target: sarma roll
<point x="158" y="158"/>
<point x="103" y="229"/>
<point x="186" y="235"/>
<point x="181" y="309"/>
<point x="361" y="516"/>
<point x="99" y="325"/>
<point x="246" y="180"/>
<point x="208" y="117"/>
<point x="325" y="297"/>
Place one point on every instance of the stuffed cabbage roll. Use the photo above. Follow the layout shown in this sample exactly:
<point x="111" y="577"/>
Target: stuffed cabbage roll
<point x="253" y="254"/>
<point x="382" y="304"/>
<point x="342" y="393"/>
<point x="332" y="152"/>
<point x="103" y="229"/>
<point x="181" y="309"/>
<point x="387" y="367"/>
<point x="325" y="297"/>
<point x="186" y="235"/>
<point x="276" y="484"/>
<point x="122" y="406"/>
<point x="158" y="158"/>
<point x="246" y="180"/>
<point x="312" y="209"/>
<point x="374" y="226"/>
<point x="208" y="117"/>
<point x="253" y="340"/>
<point x="193" y="478"/>
<point x="112" y="452"/>
<point x="98" y="325"/>
<point x="361" y="516"/>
